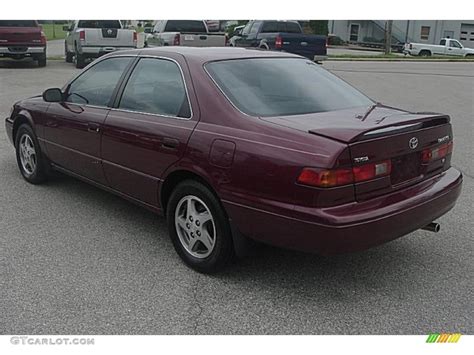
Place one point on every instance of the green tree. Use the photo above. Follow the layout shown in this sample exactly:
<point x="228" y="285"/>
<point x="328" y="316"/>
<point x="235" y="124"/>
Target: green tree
<point x="319" y="27"/>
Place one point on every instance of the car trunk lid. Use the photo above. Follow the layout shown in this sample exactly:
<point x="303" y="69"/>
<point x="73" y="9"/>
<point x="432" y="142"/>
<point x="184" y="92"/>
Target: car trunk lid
<point x="380" y="133"/>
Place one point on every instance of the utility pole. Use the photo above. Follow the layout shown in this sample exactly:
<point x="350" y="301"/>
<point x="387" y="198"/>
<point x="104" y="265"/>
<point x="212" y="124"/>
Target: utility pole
<point x="406" y="33"/>
<point x="388" y="36"/>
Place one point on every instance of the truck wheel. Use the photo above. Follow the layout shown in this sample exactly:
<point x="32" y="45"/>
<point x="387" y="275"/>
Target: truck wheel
<point x="425" y="53"/>
<point x="68" y="55"/>
<point x="42" y="60"/>
<point x="199" y="227"/>
<point x="79" y="60"/>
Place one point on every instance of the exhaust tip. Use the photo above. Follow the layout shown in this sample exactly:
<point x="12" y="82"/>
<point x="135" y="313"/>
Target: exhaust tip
<point x="432" y="227"/>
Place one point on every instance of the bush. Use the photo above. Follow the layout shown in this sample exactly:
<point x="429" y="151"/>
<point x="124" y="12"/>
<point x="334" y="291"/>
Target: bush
<point x="335" y="41"/>
<point x="373" y="40"/>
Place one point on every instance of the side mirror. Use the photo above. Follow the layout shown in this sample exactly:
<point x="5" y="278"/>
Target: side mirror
<point x="53" y="95"/>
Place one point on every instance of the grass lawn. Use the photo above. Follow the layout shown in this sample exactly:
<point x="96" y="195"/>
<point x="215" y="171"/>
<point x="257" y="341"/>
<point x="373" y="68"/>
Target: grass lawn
<point x="58" y="31"/>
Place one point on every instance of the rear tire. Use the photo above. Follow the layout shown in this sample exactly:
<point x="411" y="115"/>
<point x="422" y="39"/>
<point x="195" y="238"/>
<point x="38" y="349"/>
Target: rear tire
<point x="80" y="60"/>
<point x="32" y="164"/>
<point x="425" y="53"/>
<point x="42" y="60"/>
<point x="199" y="228"/>
<point x="68" y="55"/>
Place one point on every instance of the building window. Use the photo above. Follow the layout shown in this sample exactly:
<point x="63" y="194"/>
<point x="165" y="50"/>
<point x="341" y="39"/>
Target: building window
<point x="425" y="32"/>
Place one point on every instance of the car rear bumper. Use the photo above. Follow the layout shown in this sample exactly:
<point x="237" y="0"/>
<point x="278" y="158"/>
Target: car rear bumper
<point x="19" y="51"/>
<point x="355" y="226"/>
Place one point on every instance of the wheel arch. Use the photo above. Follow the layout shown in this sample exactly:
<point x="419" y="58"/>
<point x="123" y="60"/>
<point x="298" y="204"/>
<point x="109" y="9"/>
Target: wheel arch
<point x="176" y="177"/>
<point x="23" y="117"/>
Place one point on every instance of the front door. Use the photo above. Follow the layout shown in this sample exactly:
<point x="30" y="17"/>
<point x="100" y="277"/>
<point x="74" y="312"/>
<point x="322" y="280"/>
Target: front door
<point x="73" y="128"/>
<point x="149" y="128"/>
<point x="455" y="48"/>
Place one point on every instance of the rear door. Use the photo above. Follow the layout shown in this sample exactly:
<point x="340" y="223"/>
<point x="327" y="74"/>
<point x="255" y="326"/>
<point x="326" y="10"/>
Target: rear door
<point x="149" y="127"/>
<point x="73" y="129"/>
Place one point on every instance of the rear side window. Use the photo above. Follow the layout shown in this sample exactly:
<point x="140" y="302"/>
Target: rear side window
<point x="270" y="27"/>
<point x="18" y="23"/>
<point x="156" y="86"/>
<point x="99" y="24"/>
<point x="185" y="26"/>
<point x="96" y="85"/>
<point x="442" y="42"/>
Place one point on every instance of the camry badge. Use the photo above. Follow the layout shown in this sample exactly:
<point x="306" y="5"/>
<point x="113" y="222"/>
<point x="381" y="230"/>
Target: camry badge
<point x="413" y="143"/>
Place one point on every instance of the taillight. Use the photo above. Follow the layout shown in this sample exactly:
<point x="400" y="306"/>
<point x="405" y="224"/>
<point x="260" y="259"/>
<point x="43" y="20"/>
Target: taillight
<point x="338" y="177"/>
<point x="278" y="42"/>
<point x="430" y="154"/>
<point x="371" y="171"/>
<point x="135" y="36"/>
<point x="43" y="38"/>
<point x="411" y="46"/>
<point x="226" y="39"/>
<point x="176" y="40"/>
<point x="325" y="178"/>
<point x="82" y="35"/>
<point x="327" y="42"/>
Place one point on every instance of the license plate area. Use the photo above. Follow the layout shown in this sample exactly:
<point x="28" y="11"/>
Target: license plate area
<point x="405" y="168"/>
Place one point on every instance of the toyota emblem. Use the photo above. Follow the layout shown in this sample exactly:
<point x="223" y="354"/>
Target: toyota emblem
<point x="413" y="143"/>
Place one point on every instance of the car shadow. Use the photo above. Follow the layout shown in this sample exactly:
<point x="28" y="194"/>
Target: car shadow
<point x="18" y="64"/>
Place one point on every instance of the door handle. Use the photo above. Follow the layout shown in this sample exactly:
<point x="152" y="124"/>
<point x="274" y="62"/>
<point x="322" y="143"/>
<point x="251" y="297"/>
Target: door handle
<point x="93" y="127"/>
<point x="170" y="143"/>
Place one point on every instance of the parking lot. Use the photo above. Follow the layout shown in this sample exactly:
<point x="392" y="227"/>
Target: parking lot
<point x="78" y="260"/>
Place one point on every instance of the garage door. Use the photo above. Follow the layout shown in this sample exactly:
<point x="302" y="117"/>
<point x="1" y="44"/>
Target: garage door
<point x="467" y="35"/>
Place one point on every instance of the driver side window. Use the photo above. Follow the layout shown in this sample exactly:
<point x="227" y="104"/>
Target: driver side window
<point x="96" y="85"/>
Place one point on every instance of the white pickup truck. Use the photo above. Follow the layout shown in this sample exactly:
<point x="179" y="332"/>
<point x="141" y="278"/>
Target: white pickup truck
<point x="447" y="46"/>
<point x="190" y="33"/>
<point x="89" y="39"/>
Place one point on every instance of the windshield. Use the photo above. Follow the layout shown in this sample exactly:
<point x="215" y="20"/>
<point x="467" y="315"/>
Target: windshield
<point x="283" y="86"/>
<point x="99" y="24"/>
<point x="18" y="23"/>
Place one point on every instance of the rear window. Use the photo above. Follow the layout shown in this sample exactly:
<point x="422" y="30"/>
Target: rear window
<point x="283" y="86"/>
<point x="99" y="24"/>
<point x="18" y="23"/>
<point x="280" y="26"/>
<point x="185" y="26"/>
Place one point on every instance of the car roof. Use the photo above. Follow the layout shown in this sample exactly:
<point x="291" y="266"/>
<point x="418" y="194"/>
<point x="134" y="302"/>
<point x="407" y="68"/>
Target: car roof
<point x="207" y="54"/>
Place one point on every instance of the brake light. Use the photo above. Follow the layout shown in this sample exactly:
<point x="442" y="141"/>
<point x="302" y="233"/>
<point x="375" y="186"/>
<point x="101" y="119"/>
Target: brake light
<point x="327" y="42"/>
<point x="411" y="46"/>
<point x="430" y="154"/>
<point x="135" y="36"/>
<point x="43" y="38"/>
<point x="338" y="177"/>
<point x="176" y="40"/>
<point x="325" y="178"/>
<point x="82" y="35"/>
<point x="371" y="171"/>
<point x="278" y="42"/>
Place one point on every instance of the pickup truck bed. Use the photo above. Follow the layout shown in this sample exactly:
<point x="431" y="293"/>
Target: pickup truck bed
<point x="22" y="39"/>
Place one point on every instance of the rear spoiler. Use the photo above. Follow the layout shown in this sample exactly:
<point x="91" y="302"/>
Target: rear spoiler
<point x="397" y="129"/>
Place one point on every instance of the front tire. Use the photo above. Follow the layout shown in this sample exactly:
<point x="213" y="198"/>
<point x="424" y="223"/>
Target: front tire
<point x="31" y="162"/>
<point x="199" y="227"/>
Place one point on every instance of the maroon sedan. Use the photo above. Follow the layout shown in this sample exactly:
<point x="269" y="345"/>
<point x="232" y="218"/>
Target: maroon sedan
<point x="235" y="145"/>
